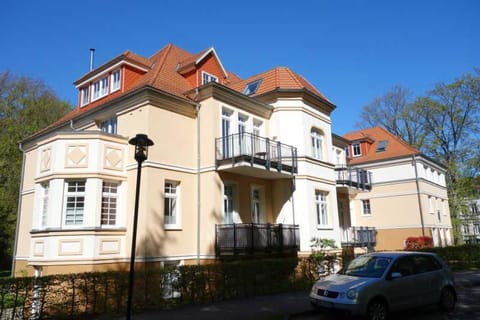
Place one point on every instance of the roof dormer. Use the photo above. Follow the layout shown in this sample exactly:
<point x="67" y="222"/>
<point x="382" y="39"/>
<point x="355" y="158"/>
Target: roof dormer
<point x="202" y="68"/>
<point x="110" y="79"/>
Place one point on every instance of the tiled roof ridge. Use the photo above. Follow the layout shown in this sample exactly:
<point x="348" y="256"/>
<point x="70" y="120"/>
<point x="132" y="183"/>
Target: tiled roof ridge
<point x="159" y="64"/>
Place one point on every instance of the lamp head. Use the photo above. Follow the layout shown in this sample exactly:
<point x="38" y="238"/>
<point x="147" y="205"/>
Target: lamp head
<point x="141" y="143"/>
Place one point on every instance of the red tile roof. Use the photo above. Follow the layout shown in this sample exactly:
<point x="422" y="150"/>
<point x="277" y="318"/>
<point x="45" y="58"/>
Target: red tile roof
<point x="395" y="148"/>
<point x="162" y="72"/>
<point x="280" y="77"/>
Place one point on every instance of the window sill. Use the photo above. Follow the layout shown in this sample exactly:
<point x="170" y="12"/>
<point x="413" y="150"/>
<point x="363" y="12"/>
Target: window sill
<point x="172" y="227"/>
<point x="322" y="227"/>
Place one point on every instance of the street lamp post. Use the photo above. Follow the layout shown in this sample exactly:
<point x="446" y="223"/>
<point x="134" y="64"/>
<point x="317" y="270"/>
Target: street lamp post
<point x="141" y="143"/>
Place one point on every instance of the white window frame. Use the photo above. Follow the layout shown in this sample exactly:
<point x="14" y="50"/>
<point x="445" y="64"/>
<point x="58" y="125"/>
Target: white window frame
<point x="229" y="203"/>
<point x="257" y="204"/>
<point x="45" y="204"/>
<point x="208" y="77"/>
<point x="100" y="88"/>
<point x="366" y="207"/>
<point x="317" y="143"/>
<point x="116" y="80"/>
<point x="321" y="208"/>
<point x="109" y="125"/>
<point x="109" y="206"/>
<point x="171" y="210"/>
<point x="476" y="228"/>
<point x="356" y="149"/>
<point x="84" y="96"/>
<point x="77" y="198"/>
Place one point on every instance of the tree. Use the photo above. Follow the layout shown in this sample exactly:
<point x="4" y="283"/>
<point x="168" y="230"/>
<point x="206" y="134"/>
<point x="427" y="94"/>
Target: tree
<point x="444" y="124"/>
<point x="26" y="106"/>
<point x="450" y="114"/>
<point x="395" y="111"/>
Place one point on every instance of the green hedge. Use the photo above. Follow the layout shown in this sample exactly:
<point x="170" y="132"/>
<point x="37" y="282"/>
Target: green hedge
<point x="85" y="294"/>
<point x="465" y="257"/>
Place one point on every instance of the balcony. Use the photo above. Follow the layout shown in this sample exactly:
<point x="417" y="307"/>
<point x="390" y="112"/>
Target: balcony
<point x="359" y="237"/>
<point x="354" y="178"/>
<point x="250" y="150"/>
<point x="256" y="238"/>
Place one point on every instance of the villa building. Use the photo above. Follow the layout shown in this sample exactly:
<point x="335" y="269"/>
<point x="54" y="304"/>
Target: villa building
<point x="408" y="196"/>
<point x="238" y="167"/>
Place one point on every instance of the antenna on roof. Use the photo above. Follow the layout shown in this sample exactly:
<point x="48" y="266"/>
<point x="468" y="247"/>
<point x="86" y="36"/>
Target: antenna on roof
<point x="92" y="53"/>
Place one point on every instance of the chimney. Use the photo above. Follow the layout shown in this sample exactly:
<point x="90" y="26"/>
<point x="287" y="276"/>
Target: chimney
<point x="92" y="53"/>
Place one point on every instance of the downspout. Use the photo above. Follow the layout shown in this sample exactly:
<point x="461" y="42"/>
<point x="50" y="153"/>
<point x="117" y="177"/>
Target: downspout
<point x="418" y="194"/>
<point x="197" y="108"/>
<point x="71" y="126"/>
<point x="19" y="207"/>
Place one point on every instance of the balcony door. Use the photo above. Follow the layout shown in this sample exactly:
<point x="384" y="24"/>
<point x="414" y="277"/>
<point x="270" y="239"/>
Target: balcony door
<point x="226" y="128"/>
<point x="257" y="198"/>
<point x="228" y="204"/>
<point x="242" y="129"/>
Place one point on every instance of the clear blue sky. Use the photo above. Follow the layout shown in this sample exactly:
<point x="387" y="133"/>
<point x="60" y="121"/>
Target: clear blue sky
<point x="351" y="50"/>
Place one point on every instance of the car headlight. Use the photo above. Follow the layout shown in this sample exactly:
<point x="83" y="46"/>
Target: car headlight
<point x="352" y="294"/>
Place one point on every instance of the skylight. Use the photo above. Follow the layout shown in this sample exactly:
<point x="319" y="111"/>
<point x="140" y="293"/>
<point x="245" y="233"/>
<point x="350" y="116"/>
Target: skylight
<point x="382" y="145"/>
<point x="252" y="87"/>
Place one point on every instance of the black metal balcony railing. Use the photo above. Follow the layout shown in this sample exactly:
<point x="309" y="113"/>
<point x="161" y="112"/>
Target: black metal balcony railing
<point x="253" y="149"/>
<point x="354" y="177"/>
<point x="359" y="237"/>
<point x="254" y="238"/>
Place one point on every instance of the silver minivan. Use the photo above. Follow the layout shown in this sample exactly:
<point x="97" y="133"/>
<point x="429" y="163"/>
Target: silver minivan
<point x="377" y="283"/>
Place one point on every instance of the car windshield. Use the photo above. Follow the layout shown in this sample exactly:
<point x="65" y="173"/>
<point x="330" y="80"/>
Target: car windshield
<point x="367" y="266"/>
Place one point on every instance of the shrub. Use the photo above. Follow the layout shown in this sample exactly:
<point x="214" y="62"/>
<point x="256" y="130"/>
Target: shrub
<point x="417" y="243"/>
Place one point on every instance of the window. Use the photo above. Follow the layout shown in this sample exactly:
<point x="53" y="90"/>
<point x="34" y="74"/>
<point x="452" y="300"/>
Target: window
<point x="431" y="205"/>
<point x="85" y="95"/>
<point x="321" y="207"/>
<point x="115" y="81"/>
<point x="366" y="210"/>
<point x="109" y="126"/>
<point x="476" y="228"/>
<point x="347" y="151"/>
<point x="228" y="204"/>
<point x="382" y="146"/>
<point x="109" y="203"/>
<point x="100" y="88"/>
<point x="74" y="202"/>
<point x="317" y="142"/>
<point x="242" y="129"/>
<point x="252" y="87"/>
<point x="257" y="205"/>
<point x="356" y="149"/>
<point x="45" y="189"/>
<point x="474" y="209"/>
<point x="207" y="77"/>
<point x="466" y="229"/>
<point x="171" y="204"/>
<point x="226" y="145"/>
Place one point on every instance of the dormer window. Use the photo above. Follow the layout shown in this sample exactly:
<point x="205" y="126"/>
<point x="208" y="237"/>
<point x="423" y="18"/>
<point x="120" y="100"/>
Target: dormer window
<point x="109" y="125"/>
<point x="207" y="77"/>
<point x="100" y="88"/>
<point x="382" y="146"/>
<point x="356" y="150"/>
<point x="85" y="96"/>
<point x="115" y="81"/>
<point x="252" y="87"/>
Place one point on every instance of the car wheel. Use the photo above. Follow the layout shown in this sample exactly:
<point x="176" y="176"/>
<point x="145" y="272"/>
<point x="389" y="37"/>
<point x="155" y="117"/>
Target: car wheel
<point x="377" y="310"/>
<point x="447" y="300"/>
